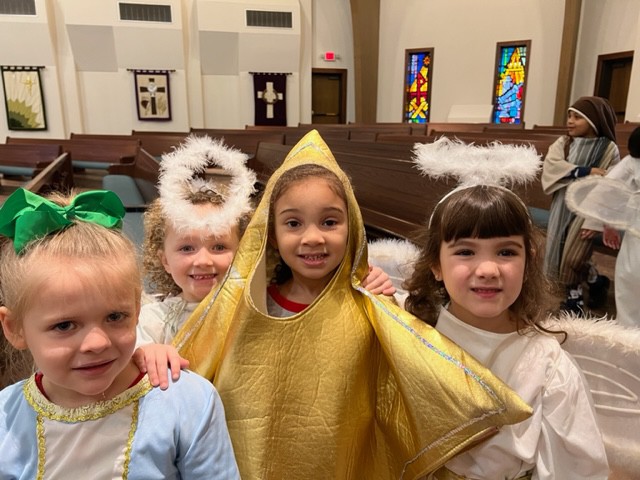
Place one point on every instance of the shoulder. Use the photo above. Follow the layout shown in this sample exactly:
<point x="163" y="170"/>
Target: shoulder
<point x="189" y="388"/>
<point x="13" y="406"/>
<point x="10" y="394"/>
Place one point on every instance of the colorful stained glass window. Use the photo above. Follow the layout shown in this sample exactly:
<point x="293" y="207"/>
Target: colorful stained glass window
<point x="416" y="86"/>
<point x="511" y="70"/>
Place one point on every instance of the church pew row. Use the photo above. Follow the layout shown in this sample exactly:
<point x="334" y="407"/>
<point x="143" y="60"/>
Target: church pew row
<point x="27" y="160"/>
<point x="56" y="176"/>
<point x="393" y="197"/>
<point x="89" y="153"/>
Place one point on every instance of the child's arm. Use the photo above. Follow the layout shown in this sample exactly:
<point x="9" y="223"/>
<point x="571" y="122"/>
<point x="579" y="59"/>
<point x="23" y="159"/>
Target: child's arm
<point x="154" y="358"/>
<point x="378" y="282"/>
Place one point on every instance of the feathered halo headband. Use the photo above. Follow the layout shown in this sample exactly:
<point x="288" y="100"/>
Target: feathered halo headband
<point x="495" y="164"/>
<point x="179" y="181"/>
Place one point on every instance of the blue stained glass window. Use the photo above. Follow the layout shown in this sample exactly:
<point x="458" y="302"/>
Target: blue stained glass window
<point x="510" y="84"/>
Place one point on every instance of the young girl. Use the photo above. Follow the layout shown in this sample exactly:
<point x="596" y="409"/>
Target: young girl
<point x="588" y="149"/>
<point x="320" y="378"/>
<point x="191" y="235"/>
<point x="88" y="412"/>
<point x="479" y="281"/>
<point x="611" y="200"/>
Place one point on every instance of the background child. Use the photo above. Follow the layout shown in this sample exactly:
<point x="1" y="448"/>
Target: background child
<point x="347" y="387"/>
<point x="479" y="281"/>
<point x="88" y="411"/>
<point x="588" y="149"/>
<point x="611" y="201"/>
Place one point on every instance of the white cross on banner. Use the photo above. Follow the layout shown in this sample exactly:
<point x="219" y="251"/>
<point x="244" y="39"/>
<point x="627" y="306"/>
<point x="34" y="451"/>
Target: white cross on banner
<point x="270" y="98"/>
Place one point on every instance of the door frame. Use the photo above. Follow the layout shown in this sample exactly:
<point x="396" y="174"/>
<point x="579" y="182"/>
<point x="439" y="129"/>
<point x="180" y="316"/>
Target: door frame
<point x="342" y="73"/>
<point x="603" y="60"/>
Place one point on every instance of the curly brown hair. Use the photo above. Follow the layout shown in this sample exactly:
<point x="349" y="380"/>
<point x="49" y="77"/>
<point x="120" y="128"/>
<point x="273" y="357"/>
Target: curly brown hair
<point x="155" y="232"/>
<point x="481" y="212"/>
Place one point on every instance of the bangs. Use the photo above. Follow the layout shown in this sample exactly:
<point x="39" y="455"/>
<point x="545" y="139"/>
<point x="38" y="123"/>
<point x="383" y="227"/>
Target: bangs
<point x="483" y="212"/>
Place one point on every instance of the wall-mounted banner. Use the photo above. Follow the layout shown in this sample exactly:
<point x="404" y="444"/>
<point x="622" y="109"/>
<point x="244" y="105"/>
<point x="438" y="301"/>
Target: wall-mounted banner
<point x="152" y="94"/>
<point x="270" y="93"/>
<point x="23" y="98"/>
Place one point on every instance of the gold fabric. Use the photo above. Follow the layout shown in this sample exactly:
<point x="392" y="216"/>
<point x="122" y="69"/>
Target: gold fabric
<point x="353" y="387"/>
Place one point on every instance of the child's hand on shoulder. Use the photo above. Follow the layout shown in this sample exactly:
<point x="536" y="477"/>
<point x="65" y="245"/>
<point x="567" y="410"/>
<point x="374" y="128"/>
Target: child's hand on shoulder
<point x="153" y="359"/>
<point x="597" y="171"/>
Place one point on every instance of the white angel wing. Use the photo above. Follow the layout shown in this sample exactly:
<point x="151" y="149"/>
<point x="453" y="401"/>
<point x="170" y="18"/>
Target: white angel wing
<point x="605" y="200"/>
<point x="609" y="356"/>
<point x="396" y="258"/>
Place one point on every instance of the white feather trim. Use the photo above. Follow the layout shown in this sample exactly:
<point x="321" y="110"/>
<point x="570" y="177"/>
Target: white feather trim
<point x="495" y="164"/>
<point x="177" y="182"/>
<point x="397" y="259"/>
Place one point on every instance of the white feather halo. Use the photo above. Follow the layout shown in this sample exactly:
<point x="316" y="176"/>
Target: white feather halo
<point x="177" y="183"/>
<point x="494" y="164"/>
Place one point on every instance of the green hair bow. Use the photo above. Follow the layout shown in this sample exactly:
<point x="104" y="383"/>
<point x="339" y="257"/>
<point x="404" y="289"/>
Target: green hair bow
<point x="26" y="216"/>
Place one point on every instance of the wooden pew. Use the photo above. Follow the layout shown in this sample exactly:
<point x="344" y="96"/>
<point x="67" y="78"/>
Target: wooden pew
<point x="244" y="140"/>
<point x="57" y="176"/>
<point x="88" y="152"/>
<point x="27" y="160"/>
<point x="49" y="172"/>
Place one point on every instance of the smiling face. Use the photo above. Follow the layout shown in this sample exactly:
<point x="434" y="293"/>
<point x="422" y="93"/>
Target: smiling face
<point x="196" y="260"/>
<point x="80" y="329"/>
<point x="311" y="230"/>
<point x="578" y="126"/>
<point x="483" y="278"/>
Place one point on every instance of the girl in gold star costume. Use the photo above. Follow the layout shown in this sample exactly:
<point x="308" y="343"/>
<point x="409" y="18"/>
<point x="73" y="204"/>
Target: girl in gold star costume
<point x="352" y="386"/>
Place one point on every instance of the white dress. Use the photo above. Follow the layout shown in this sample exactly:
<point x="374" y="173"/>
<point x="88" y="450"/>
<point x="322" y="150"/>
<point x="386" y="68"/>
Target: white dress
<point x="160" y="321"/>
<point x="142" y="434"/>
<point x="561" y="440"/>
<point x="627" y="271"/>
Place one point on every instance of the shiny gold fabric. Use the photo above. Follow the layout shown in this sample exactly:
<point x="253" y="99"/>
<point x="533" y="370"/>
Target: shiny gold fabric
<point x="353" y="387"/>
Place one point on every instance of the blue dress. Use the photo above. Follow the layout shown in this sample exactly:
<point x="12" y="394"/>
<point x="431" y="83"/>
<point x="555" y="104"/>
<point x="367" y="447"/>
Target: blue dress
<point x="143" y="433"/>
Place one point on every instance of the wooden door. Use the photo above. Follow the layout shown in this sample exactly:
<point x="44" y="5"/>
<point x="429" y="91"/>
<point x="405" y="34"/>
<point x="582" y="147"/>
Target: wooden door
<point x="328" y="95"/>
<point x="612" y="80"/>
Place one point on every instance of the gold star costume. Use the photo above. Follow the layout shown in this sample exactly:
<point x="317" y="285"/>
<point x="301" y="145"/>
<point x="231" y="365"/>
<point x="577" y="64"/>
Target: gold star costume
<point x="353" y="386"/>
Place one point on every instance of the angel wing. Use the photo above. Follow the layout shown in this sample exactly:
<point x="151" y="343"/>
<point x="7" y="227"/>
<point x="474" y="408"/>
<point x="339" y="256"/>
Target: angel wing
<point x="605" y="200"/>
<point x="396" y="258"/>
<point x="609" y="355"/>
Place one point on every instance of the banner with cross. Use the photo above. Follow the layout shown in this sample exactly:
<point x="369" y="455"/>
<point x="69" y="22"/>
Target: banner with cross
<point x="270" y="98"/>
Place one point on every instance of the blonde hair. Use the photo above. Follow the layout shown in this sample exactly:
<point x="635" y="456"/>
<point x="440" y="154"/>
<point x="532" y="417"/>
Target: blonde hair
<point x="155" y="234"/>
<point x="83" y="242"/>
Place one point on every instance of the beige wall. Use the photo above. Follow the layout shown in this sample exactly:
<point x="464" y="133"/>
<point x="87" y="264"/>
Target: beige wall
<point x="464" y="34"/>
<point x="86" y="54"/>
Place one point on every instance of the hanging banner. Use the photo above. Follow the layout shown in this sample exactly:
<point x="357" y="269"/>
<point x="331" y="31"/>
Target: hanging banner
<point x="23" y="98"/>
<point x="270" y="98"/>
<point x="152" y="94"/>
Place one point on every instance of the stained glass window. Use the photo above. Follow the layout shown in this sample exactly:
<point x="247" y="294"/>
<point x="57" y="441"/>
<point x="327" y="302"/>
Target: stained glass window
<point x="511" y="75"/>
<point x="417" y="92"/>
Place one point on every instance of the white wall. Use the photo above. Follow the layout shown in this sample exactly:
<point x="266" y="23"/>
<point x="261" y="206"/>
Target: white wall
<point x="607" y="26"/>
<point x="464" y="34"/>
